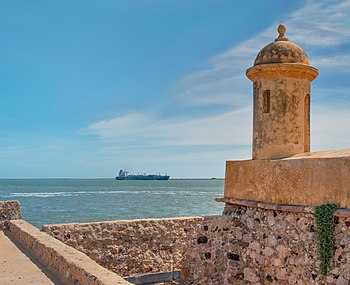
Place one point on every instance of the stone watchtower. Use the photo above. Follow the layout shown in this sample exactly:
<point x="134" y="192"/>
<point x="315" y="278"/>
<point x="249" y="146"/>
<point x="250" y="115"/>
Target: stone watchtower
<point x="283" y="170"/>
<point x="282" y="77"/>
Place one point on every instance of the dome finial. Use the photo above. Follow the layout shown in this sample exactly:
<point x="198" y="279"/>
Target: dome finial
<point x="281" y="30"/>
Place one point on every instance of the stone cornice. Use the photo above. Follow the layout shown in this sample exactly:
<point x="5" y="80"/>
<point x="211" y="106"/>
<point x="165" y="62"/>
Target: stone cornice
<point x="275" y="70"/>
<point x="343" y="213"/>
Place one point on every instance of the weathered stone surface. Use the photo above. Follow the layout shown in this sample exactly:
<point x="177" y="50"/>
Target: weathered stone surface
<point x="282" y="77"/>
<point x="9" y="210"/>
<point x="294" y="180"/>
<point x="342" y="281"/>
<point x="16" y="268"/>
<point x="250" y="275"/>
<point x="137" y="246"/>
<point x="245" y="246"/>
<point x="281" y="51"/>
<point x="69" y="265"/>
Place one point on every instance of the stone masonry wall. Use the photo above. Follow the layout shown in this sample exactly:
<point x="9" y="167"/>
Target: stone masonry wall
<point x="247" y="245"/>
<point x="66" y="263"/>
<point x="260" y="246"/>
<point x="134" y="246"/>
<point x="9" y="210"/>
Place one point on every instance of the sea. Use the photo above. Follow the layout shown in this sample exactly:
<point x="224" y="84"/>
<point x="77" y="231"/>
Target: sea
<point x="53" y="201"/>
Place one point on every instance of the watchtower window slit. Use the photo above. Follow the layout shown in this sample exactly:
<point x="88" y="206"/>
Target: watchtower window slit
<point x="266" y="101"/>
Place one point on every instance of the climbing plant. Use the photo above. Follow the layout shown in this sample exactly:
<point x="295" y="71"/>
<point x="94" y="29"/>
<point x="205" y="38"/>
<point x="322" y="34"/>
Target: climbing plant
<point x="324" y="215"/>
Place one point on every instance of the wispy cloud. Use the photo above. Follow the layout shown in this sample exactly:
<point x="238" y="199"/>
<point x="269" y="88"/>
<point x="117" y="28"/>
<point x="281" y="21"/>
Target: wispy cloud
<point x="333" y="63"/>
<point x="136" y="128"/>
<point x="9" y="151"/>
<point x="319" y="26"/>
<point x="320" y="23"/>
<point x="222" y="82"/>
<point x="315" y="26"/>
<point x="328" y="129"/>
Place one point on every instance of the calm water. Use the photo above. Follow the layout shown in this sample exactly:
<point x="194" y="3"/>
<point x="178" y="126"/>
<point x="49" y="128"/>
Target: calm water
<point x="83" y="200"/>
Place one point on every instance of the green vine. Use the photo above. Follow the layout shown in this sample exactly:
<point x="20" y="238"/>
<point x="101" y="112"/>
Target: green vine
<point x="324" y="215"/>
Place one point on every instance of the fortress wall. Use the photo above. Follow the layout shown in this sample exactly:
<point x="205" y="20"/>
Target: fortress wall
<point x="252" y="245"/>
<point x="133" y="246"/>
<point x="69" y="265"/>
<point x="9" y="210"/>
<point x="247" y="245"/>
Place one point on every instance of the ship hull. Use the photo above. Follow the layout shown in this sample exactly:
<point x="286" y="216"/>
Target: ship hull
<point x="143" y="177"/>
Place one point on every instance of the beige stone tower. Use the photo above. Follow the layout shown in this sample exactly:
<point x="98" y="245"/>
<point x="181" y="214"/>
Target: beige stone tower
<point x="283" y="171"/>
<point x="282" y="78"/>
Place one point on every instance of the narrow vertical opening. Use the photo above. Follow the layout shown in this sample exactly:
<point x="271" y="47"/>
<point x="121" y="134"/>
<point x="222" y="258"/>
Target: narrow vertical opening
<point x="266" y="101"/>
<point x="307" y="123"/>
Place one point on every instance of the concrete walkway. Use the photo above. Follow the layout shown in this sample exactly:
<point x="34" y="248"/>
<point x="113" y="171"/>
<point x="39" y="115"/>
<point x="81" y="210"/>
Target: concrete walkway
<point x="18" y="267"/>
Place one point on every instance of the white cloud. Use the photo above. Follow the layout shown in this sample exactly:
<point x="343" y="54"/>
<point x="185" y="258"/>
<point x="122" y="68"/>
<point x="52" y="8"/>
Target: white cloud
<point x="329" y="129"/>
<point x="120" y="126"/>
<point x="9" y="151"/>
<point x="223" y="82"/>
<point x="338" y="62"/>
<point x="223" y="129"/>
<point x="317" y="25"/>
<point x="320" y="23"/>
<point x="333" y="97"/>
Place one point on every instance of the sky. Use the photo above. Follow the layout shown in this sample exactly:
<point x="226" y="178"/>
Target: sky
<point x="91" y="87"/>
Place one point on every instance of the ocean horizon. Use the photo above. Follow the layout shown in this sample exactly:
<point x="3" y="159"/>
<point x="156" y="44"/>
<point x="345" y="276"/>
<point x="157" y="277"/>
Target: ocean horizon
<point x="75" y="200"/>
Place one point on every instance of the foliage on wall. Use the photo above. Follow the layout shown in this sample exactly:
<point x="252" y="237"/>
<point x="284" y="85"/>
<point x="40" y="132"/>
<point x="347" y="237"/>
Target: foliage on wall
<point x="324" y="215"/>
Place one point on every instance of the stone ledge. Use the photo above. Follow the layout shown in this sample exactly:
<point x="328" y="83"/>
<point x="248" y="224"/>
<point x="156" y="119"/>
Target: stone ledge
<point x="342" y="213"/>
<point x="68" y="264"/>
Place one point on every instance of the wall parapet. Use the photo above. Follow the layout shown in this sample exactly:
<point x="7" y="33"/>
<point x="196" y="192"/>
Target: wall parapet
<point x="68" y="264"/>
<point x="132" y="247"/>
<point x="247" y="245"/>
<point x="310" y="179"/>
<point x="9" y="210"/>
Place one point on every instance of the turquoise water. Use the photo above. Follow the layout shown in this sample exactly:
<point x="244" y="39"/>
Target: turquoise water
<point x="47" y="201"/>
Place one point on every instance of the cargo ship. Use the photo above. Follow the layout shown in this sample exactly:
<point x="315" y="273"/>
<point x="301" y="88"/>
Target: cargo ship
<point x="125" y="175"/>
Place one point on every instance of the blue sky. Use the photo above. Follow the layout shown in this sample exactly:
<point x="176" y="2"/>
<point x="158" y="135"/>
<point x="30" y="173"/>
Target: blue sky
<point x="90" y="87"/>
